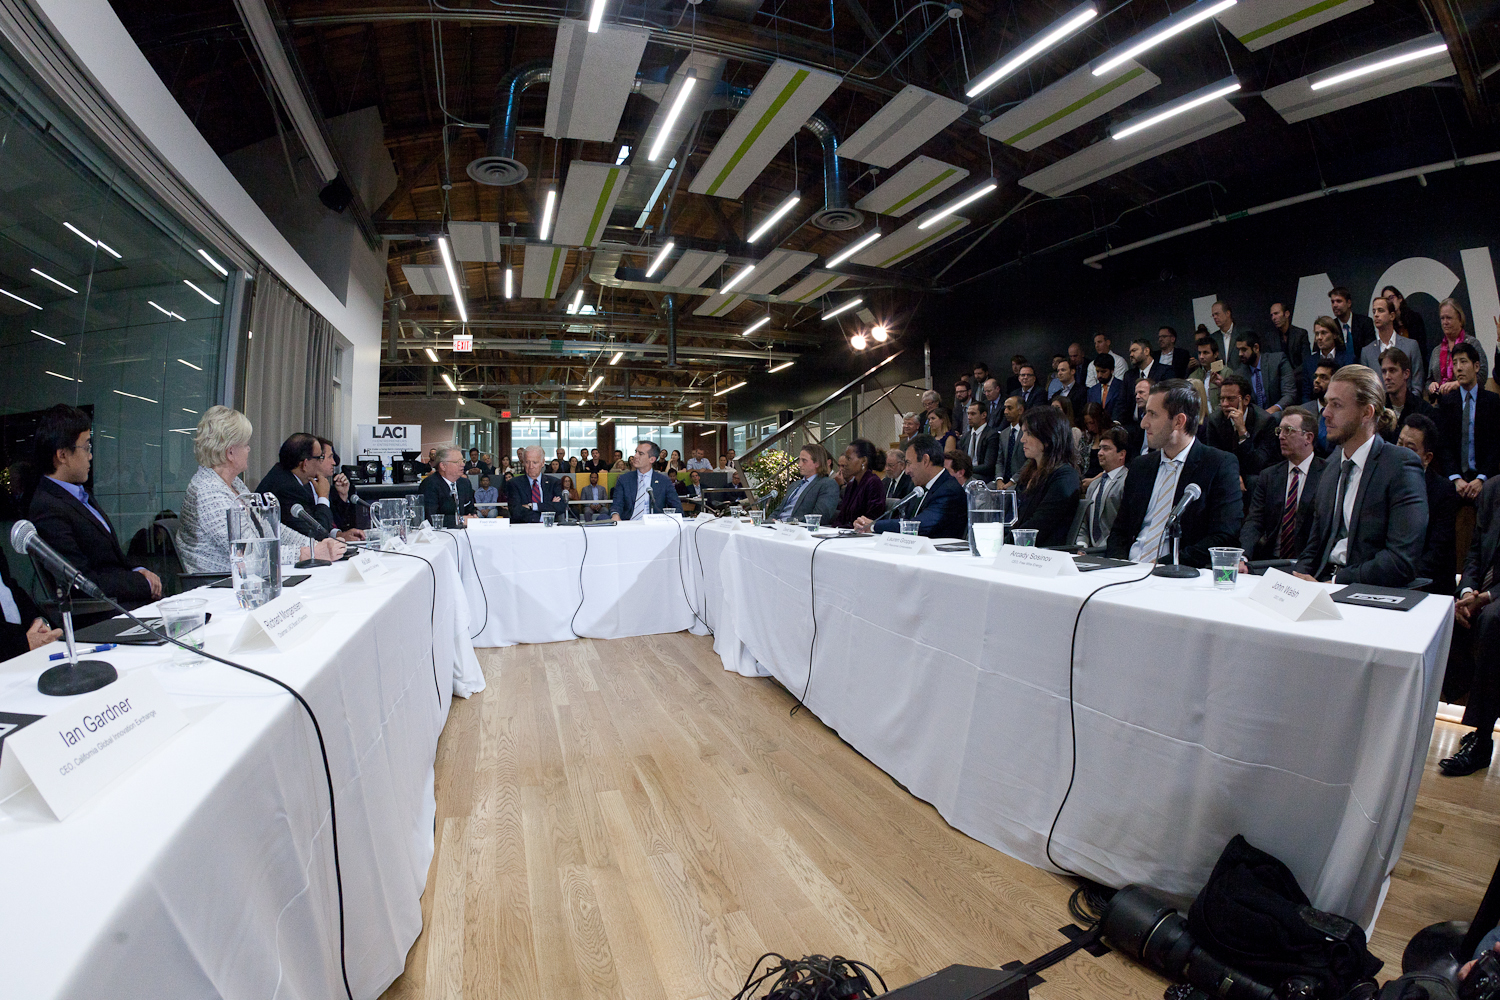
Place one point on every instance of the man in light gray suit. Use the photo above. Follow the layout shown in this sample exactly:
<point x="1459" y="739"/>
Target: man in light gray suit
<point x="814" y="493"/>
<point x="1387" y="337"/>
<point x="1273" y="383"/>
<point x="1101" y="501"/>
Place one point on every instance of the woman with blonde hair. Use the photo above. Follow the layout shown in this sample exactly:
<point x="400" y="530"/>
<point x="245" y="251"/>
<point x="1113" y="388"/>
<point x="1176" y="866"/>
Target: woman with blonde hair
<point x="222" y="447"/>
<point x="1452" y="319"/>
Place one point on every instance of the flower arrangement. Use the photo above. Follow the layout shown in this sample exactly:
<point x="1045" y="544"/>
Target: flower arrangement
<point x="770" y="470"/>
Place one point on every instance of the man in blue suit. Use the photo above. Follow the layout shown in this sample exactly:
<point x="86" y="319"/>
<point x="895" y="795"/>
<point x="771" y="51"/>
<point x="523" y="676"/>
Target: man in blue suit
<point x="942" y="509"/>
<point x="643" y="491"/>
<point x="1108" y="391"/>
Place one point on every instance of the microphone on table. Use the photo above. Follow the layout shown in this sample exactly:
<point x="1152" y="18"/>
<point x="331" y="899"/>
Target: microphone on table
<point x="25" y="540"/>
<point x="904" y="501"/>
<point x="1190" y="492"/>
<point x="302" y="517"/>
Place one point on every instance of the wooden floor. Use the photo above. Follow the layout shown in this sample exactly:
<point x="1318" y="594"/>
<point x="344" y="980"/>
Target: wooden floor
<point x="625" y="819"/>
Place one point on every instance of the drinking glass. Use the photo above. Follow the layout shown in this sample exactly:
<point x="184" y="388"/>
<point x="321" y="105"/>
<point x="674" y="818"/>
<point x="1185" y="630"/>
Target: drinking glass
<point x="911" y="527"/>
<point x="1025" y="537"/>
<point x="1226" y="566"/>
<point x="414" y="512"/>
<point x="812" y="521"/>
<point x="549" y="518"/>
<point x="183" y="618"/>
<point x="757" y="516"/>
<point x="255" y="549"/>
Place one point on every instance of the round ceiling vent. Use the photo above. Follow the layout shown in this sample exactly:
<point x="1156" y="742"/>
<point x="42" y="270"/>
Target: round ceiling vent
<point x="838" y="219"/>
<point x="497" y="171"/>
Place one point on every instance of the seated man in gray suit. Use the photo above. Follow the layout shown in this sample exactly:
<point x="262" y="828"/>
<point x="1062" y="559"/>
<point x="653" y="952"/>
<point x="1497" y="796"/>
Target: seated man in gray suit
<point x="814" y="493"/>
<point x="644" y="490"/>
<point x="1101" y="497"/>
<point x="594" y="491"/>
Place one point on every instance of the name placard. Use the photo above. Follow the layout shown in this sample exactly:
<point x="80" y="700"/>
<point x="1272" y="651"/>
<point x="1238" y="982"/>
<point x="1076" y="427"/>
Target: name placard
<point x="366" y="567"/>
<point x="1032" y="561"/>
<point x="282" y="623"/>
<point x="790" y="532"/>
<point x="1293" y="599"/>
<point x="393" y="544"/>
<point x="911" y="545"/>
<point x="658" y="517"/>
<point x="74" y="753"/>
<point x="425" y="533"/>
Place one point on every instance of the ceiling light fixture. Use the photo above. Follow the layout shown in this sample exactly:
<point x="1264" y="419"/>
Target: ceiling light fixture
<point x="510" y="288"/>
<point x="957" y="203"/>
<point x="739" y="276"/>
<point x="186" y="410"/>
<point x="1375" y="67"/>
<point x="223" y="271"/>
<point x="1055" y="33"/>
<point x="605" y="421"/>
<point x="547" y="215"/>
<point x="200" y="291"/>
<point x="660" y="258"/>
<point x="880" y="333"/>
<point x="449" y="383"/>
<point x="1174" y="108"/>
<point x="68" y="378"/>
<point x="842" y="308"/>
<point x="640" y="220"/>
<point x="617" y="357"/>
<point x="132" y="395"/>
<point x="431" y="354"/>
<point x="672" y="115"/>
<point x="49" y="277"/>
<point x="183" y="361"/>
<point x="695" y="403"/>
<point x="597" y="380"/>
<point x="1170" y="28"/>
<point x="458" y="293"/>
<point x="775" y="217"/>
<point x="46" y="337"/>
<point x="756" y="325"/>
<point x="730" y="389"/>
<point x="858" y="342"/>
<point x="577" y="301"/>
<point x="853" y="249"/>
<point x="596" y="16"/>
<point x="13" y="295"/>
<point x="622" y="155"/>
<point x="784" y="364"/>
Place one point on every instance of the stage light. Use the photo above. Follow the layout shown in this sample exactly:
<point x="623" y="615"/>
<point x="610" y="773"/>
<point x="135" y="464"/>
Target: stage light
<point x="880" y="333"/>
<point x="858" y="342"/>
<point x="1059" y="30"/>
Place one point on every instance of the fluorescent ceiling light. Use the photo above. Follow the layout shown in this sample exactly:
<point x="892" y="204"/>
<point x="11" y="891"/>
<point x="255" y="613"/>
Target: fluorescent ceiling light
<point x="842" y="308"/>
<point x="132" y="395"/>
<point x="1375" y="67"/>
<point x="1174" y="108"/>
<point x="695" y="403"/>
<point x="956" y="204"/>
<point x="223" y="271"/>
<point x="775" y="217"/>
<point x="182" y="361"/>
<point x="547" y="215"/>
<point x="617" y="357"/>
<point x="68" y="378"/>
<point x="1170" y="28"/>
<point x="660" y="258"/>
<point x="449" y="382"/>
<point x="431" y="354"/>
<point x="383" y="416"/>
<point x="739" y="276"/>
<point x="13" y="295"/>
<point x="49" y="277"/>
<point x="166" y="312"/>
<point x="606" y="420"/>
<point x="200" y="291"/>
<point x="784" y="364"/>
<point x="461" y="420"/>
<point x="756" y="325"/>
<point x="622" y="156"/>
<point x="596" y="16"/>
<point x="597" y="380"/>
<point x="858" y="342"/>
<point x="186" y="410"/>
<point x="655" y="194"/>
<point x="458" y="293"/>
<point x="510" y="288"/>
<point x="672" y="115"/>
<point x="730" y="389"/>
<point x="1055" y="33"/>
<point x="852" y="249"/>
<point x="80" y="234"/>
<point x="45" y="337"/>
<point x="577" y="301"/>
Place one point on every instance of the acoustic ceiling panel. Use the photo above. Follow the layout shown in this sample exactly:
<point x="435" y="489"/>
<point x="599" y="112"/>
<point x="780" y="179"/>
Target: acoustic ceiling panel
<point x="588" y="197"/>
<point x="776" y="268"/>
<point x="476" y="241"/>
<point x="1258" y="23"/>
<point x="693" y="268"/>
<point x="1296" y="101"/>
<point x="815" y="284"/>
<point x="1110" y="156"/>
<point x="542" y="271"/>
<point x="719" y="305"/>
<point x="907" y="240"/>
<point x="1077" y="98"/>
<point x="785" y="98"/>
<point x="427" y="279"/>
<point x="913" y="184"/>
<point x="592" y="75"/>
<point x="907" y="120"/>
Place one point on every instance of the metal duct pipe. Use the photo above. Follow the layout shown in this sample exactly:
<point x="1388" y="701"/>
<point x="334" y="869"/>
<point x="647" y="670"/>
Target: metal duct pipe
<point x="671" y="306"/>
<point x="837" y="213"/>
<point x="499" y="166"/>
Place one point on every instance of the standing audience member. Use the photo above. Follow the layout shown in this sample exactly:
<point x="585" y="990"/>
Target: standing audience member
<point x="1400" y="392"/>
<point x="1177" y="359"/>
<point x="1135" y="432"/>
<point x="1118" y="365"/>
<point x="1143" y="366"/>
<point x="1203" y="371"/>
<point x="1440" y="373"/>
<point x="1292" y="340"/>
<point x="898" y="484"/>
<point x="1048" y="484"/>
<point x="1476" y="618"/>
<point x="1031" y="393"/>
<point x="1009" y="454"/>
<point x="1386" y="338"/>
<point x="940" y="426"/>
<point x="1273" y="384"/>
<point x="1356" y="331"/>
<point x="910" y="427"/>
<point x="1469" y="417"/>
<point x="1226" y="333"/>
<point x="1328" y="345"/>
<point x="1103" y="494"/>
<point x="1282" y="502"/>
<point x="931" y="400"/>
<point x="942" y="510"/>
<point x="1071" y="387"/>
<point x="1411" y="322"/>
<point x="981" y="444"/>
<point x="864" y="493"/>
<point x="1107" y="390"/>
<point x="1013" y="384"/>
<point x="1095" y="424"/>
<point x="1420" y="436"/>
<point x="962" y="397"/>
<point x="994" y="404"/>
<point x="1080" y="456"/>
<point x="1371" y="516"/>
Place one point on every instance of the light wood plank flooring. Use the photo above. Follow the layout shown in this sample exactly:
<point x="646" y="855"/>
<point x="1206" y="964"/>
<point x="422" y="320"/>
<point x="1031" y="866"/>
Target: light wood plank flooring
<point x="625" y="819"/>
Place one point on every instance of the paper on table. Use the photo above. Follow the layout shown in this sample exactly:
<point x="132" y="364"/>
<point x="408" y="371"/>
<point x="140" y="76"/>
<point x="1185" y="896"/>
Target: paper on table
<point x="1032" y="561"/>
<point x="1295" y="600"/>
<point x="912" y="545"/>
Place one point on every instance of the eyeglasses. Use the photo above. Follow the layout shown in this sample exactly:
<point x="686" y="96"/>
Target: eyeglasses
<point x="1285" y="431"/>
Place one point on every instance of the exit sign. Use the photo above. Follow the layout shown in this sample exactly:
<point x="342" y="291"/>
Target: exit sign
<point x="504" y="414"/>
<point x="463" y="343"/>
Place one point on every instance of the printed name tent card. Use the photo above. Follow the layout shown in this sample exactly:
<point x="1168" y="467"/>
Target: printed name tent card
<point x="1284" y="595"/>
<point x="366" y="567"/>
<point x="1031" y="561"/>
<point x="911" y="545"/>
<point x="281" y="624"/>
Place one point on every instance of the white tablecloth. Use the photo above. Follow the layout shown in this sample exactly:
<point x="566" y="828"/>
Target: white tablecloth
<point x="523" y="580"/>
<point x="1199" y="716"/>
<point x="207" y="870"/>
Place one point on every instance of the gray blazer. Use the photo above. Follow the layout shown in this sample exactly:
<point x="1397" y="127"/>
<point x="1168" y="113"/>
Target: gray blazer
<point x="1434" y="357"/>
<point x="820" y="497"/>
<point x="1276" y="372"/>
<point x="1103" y="495"/>
<point x="1370" y="358"/>
<point x="1389" y="526"/>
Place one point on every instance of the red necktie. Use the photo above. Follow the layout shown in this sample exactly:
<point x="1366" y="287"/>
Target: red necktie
<point x="536" y="492"/>
<point x="1289" y="517"/>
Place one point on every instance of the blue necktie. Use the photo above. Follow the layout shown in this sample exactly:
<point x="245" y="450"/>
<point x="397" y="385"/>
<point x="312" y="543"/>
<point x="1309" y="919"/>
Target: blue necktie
<point x="1258" y="386"/>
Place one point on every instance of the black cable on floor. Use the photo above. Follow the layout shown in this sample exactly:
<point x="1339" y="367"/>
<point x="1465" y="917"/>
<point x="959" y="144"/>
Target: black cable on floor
<point x="812" y="608"/>
<point x="432" y="621"/>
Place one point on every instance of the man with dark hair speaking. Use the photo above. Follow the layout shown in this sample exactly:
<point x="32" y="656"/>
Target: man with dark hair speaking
<point x="644" y="490"/>
<point x="942" y="508"/>
<point x="1156" y="481"/>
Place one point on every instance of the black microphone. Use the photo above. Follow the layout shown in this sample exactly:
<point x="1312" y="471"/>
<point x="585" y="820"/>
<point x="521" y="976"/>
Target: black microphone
<point x="904" y="501"/>
<point x="306" y="520"/>
<point x="25" y="540"/>
<point x="1190" y="492"/>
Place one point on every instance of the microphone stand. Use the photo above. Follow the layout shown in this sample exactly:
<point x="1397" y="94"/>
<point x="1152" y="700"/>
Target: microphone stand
<point x="74" y="676"/>
<point x="1175" y="571"/>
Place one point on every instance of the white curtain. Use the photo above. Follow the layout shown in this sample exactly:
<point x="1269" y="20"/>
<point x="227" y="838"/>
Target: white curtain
<point x="288" y="372"/>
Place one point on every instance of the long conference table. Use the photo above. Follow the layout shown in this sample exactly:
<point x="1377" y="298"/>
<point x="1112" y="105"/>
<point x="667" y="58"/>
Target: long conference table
<point x="1198" y="715"/>
<point x="207" y="869"/>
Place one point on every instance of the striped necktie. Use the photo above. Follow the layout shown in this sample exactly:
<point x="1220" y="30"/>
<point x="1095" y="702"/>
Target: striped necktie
<point x="1289" y="516"/>
<point x="1149" y="545"/>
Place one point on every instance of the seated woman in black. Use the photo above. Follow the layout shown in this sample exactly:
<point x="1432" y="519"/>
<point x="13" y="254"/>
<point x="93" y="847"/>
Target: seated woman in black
<point x="1048" y="483"/>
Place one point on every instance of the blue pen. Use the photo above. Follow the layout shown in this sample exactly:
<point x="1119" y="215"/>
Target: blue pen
<point x="83" y="652"/>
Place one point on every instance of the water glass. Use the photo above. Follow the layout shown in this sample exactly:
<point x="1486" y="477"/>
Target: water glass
<point x="812" y="521"/>
<point x="415" y="514"/>
<point x="1226" y="566"/>
<point x="757" y="516"/>
<point x="549" y="518"/>
<point x="183" y="618"/>
<point x="911" y="527"/>
<point x="1024" y="537"/>
<point x="736" y="511"/>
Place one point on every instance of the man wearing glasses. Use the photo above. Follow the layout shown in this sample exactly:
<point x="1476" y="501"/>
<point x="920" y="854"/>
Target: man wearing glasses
<point x="1281" y="505"/>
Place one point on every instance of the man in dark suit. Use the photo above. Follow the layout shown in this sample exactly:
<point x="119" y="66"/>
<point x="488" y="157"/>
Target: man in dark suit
<point x="943" y="509"/>
<point x="1420" y="437"/>
<point x="475" y="464"/>
<point x="1273" y="384"/>
<point x="1156" y="481"/>
<point x="1032" y="392"/>
<point x="1291" y="341"/>
<point x="1469" y="422"/>
<point x="1009" y="457"/>
<point x="981" y="444"/>
<point x="1108" y="391"/>
<point x="1371" y="517"/>
<point x="1402" y="396"/>
<point x="1135" y="434"/>
<point x="1476" y="619"/>
<point x="994" y="404"/>
<point x="294" y="480"/>
<point x="898" y="484"/>
<point x="1177" y="359"/>
<point x="528" y="495"/>
<point x="1242" y="428"/>
<point x="644" y="491"/>
<point x="447" y="494"/>
<point x="1071" y="387"/>
<point x="1143" y="366"/>
<point x="1358" y="330"/>
<point x="69" y="520"/>
<point x="22" y="627"/>
<point x="1282" y="502"/>
<point x="341" y="493"/>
